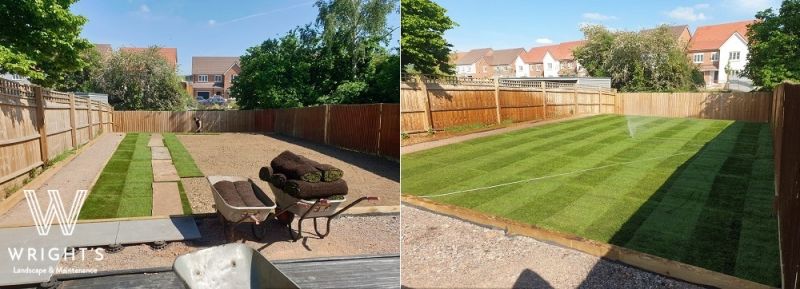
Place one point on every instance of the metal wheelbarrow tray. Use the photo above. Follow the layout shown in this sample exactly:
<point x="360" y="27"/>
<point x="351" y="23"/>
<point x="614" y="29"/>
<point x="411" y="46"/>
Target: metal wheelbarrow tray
<point x="229" y="266"/>
<point x="310" y="209"/>
<point x="237" y="215"/>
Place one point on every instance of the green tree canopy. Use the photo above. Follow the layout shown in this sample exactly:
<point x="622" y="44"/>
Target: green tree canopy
<point x="424" y="48"/>
<point x="41" y="39"/>
<point x="774" y="46"/>
<point x="140" y="81"/>
<point x="637" y="61"/>
<point x="341" y="58"/>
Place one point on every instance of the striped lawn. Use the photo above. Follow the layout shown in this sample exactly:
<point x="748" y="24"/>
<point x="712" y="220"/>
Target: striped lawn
<point x="695" y="191"/>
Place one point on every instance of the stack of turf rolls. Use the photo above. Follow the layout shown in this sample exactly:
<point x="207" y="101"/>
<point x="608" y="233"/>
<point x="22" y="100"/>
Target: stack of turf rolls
<point x="304" y="178"/>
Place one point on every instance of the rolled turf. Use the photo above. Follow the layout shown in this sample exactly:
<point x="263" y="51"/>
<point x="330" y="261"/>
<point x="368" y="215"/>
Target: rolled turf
<point x="329" y="172"/>
<point x="690" y="190"/>
<point x="294" y="167"/>
<point x="306" y="190"/>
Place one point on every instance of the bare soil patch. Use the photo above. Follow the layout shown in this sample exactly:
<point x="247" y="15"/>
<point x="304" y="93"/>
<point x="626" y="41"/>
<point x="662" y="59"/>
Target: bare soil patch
<point x="241" y="154"/>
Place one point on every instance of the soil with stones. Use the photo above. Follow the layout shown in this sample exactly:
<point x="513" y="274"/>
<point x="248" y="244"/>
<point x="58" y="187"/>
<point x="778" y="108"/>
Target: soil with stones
<point x="240" y="154"/>
<point x="440" y="251"/>
<point x="350" y="236"/>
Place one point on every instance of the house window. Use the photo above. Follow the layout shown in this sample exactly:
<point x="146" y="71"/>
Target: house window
<point x="217" y="78"/>
<point x="16" y="77"/>
<point x="484" y="69"/>
<point x="203" y="94"/>
<point x="715" y="56"/>
<point x="549" y="66"/>
<point x="519" y="68"/>
<point x="202" y="78"/>
<point x="734" y="55"/>
<point x="233" y="77"/>
<point x="538" y="67"/>
<point x="698" y="58"/>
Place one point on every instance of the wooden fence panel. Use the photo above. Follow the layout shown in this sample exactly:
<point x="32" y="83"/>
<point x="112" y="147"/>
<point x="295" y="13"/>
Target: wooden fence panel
<point x="355" y="127"/>
<point x="412" y="103"/>
<point x="746" y="106"/>
<point x="390" y="131"/>
<point x="35" y="120"/>
<point x="785" y="124"/>
<point x="521" y="105"/>
<point x="460" y="107"/>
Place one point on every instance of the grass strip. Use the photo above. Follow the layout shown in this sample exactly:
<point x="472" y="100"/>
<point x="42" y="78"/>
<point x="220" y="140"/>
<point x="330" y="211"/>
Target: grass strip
<point x="187" y="207"/>
<point x="124" y="188"/>
<point x="181" y="158"/>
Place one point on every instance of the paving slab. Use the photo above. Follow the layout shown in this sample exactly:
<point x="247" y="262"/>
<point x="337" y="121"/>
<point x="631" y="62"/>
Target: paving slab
<point x="156" y="140"/>
<point x="167" y="229"/>
<point x="166" y="199"/>
<point x="164" y="171"/>
<point x="160" y="153"/>
<point x="85" y="235"/>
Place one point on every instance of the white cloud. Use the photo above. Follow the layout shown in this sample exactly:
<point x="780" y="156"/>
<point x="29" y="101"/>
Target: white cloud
<point x="144" y="9"/>
<point x="598" y="16"/>
<point x="544" y="40"/>
<point x="212" y="22"/>
<point x="686" y="14"/>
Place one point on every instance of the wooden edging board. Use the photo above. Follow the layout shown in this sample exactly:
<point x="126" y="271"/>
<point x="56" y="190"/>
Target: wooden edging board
<point x="634" y="258"/>
<point x="39" y="180"/>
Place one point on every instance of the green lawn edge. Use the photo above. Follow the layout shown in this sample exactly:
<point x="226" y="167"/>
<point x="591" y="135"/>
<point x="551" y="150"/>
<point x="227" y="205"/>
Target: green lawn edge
<point x="181" y="159"/>
<point x="187" y="207"/>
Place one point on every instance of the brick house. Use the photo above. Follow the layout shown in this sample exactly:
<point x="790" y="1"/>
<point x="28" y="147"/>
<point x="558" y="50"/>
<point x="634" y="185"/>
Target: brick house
<point x="554" y="60"/>
<point x="680" y="32"/>
<point x="508" y="63"/>
<point x="474" y="63"/>
<point x="720" y="52"/>
<point x="567" y="64"/>
<point x="213" y="75"/>
<point x="168" y="53"/>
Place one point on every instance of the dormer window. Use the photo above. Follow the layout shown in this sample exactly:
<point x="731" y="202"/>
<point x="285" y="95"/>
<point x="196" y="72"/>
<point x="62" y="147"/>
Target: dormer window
<point x="202" y="78"/>
<point x="217" y="78"/>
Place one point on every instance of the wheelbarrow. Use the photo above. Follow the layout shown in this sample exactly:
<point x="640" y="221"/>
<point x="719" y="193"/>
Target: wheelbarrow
<point x="228" y="213"/>
<point x="229" y="266"/>
<point x="290" y="206"/>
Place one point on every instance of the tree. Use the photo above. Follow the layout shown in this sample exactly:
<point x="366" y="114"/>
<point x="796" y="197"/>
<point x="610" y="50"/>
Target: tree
<point x="637" y="61"/>
<point x="341" y="58"/>
<point x="81" y="80"/>
<point x="40" y="39"/>
<point x="140" y="81"/>
<point x="774" y="46"/>
<point x="422" y="42"/>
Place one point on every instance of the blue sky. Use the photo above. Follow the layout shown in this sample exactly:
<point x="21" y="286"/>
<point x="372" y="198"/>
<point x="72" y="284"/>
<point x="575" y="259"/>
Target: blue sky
<point x="196" y="28"/>
<point x="522" y="23"/>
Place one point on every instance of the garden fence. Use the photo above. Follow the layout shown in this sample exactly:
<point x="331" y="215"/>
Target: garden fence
<point x="436" y="104"/>
<point x="368" y="128"/>
<point x="785" y="124"/>
<point x="37" y="125"/>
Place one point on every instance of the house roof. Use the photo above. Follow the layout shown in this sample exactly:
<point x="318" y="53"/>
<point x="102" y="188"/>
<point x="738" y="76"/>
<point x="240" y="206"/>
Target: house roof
<point x="676" y="30"/>
<point x="711" y="37"/>
<point x="473" y="56"/>
<point x="455" y="56"/>
<point x="505" y="56"/>
<point x="564" y="49"/>
<point x="536" y="54"/>
<point x="103" y="49"/>
<point x="168" y="53"/>
<point x="212" y="64"/>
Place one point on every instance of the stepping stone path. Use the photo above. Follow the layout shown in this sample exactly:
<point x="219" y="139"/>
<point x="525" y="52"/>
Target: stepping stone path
<point x="166" y="197"/>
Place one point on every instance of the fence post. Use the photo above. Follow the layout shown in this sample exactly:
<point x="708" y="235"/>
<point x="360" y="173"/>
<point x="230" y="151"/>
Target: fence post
<point x="544" y="100"/>
<point x="497" y="98"/>
<point x="89" y="113"/>
<point x="575" y="96"/>
<point x="380" y="127"/>
<point x="74" y="131"/>
<point x="599" y="101"/>
<point x="41" y="121"/>
<point x="327" y="121"/>
<point x="428" y="114"/>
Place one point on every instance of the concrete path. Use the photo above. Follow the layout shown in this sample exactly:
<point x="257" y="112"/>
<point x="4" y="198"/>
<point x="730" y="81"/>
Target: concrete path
<point x="78" y="174"/>
<point x="457" y="139"/>
<point x="166" y="199"/>
<point x="164" y="171"/>
<point x="166" y="196"/>
<point x="38" y="267"/>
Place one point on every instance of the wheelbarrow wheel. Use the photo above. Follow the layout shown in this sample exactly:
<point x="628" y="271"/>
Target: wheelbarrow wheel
<point x="285" y="218"/>
<point x="259" y="231"/>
